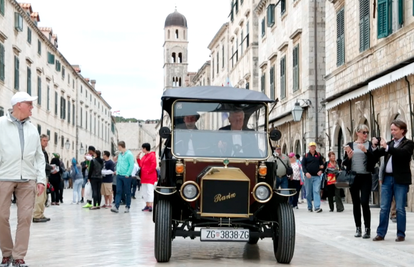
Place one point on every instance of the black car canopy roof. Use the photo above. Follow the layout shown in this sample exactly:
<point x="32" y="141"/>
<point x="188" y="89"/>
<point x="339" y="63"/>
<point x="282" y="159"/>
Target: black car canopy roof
<point x="224" y="94"/>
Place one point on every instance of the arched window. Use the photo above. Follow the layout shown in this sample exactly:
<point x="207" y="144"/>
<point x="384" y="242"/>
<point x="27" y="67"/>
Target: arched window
<point x="173" y="57"/>
<point x="180" y="58"/>
<point x="179" y="81"/>
<point x="297" y="148"/>
<point x="176" y="34"/>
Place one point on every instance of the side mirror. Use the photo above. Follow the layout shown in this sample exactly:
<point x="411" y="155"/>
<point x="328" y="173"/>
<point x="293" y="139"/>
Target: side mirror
<point x="275" y="135"/>
<point x="164" y="132"/>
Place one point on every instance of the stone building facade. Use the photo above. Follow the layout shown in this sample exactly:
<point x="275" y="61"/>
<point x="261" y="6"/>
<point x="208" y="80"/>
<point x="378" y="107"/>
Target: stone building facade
<point x="69" y="109"/>
<point x="134" y="134"/>
<point x="291" y="68"/>
<point x="369" y="69"/>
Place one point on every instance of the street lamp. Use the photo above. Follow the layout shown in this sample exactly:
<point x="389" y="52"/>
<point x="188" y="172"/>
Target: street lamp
<point x="67" y="144"/>
<point x="297" y="110"/>
<point x="82" y="150"/>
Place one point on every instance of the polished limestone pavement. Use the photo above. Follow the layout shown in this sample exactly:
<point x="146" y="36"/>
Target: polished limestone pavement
<point x="82" y="237"/>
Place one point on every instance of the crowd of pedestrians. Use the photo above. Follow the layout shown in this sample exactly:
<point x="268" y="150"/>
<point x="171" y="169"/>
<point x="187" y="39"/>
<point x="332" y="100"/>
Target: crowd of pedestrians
<point x="362" y="158"/>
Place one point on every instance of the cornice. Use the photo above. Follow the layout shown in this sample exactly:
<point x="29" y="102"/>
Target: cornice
<point x="260" y="6"/>
<point x="282" y="46"/>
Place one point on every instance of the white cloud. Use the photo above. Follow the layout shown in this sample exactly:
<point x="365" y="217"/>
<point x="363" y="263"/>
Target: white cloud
<point x="119" y="43"/>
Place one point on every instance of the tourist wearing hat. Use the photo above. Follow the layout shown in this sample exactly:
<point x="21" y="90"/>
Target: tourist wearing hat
<point x="22" y="170"/>
<point x="312" y="165"/>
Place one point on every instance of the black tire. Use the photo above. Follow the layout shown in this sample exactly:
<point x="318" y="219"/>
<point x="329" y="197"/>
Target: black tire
<point x="253" y="240"/>
<point x="163" y="231"/>
<point x="284" y="234"/>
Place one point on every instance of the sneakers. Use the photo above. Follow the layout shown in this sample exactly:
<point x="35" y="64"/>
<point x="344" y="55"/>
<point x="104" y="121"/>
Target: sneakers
<point x="318" y="210"/>
<point x="126" y="210"/>
<point x="6" y="261"/>
<point x="38" y="220"/>
<point x="19" y="263"/>
<point x="150" y="209"/>
<point x="87" y="206"/>
<point x="114" y="209"/>
<point x="81" y="201"/>
<point x="146" y="208"/>
<point x="310" y="210"/>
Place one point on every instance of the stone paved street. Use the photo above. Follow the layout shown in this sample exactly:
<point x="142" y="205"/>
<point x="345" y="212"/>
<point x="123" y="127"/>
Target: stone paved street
<point x="81" y="237"/>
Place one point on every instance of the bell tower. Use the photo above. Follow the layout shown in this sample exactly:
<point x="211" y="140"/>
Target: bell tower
<point x="175" y="50"/>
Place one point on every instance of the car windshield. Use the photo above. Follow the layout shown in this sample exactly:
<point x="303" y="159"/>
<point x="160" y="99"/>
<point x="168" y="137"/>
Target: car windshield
<point x="218" y="130"/>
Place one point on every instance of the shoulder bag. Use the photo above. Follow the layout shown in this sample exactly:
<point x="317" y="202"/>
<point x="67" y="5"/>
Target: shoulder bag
<point x="289" y="170"/>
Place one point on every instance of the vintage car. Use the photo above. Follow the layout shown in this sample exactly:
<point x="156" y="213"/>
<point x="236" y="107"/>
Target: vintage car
<point x="217" y="172"/>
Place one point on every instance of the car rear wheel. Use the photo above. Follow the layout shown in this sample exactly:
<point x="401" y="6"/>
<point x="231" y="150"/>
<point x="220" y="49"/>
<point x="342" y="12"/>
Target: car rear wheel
<point x="284" y="234"/>
<point x="163" y="231"/>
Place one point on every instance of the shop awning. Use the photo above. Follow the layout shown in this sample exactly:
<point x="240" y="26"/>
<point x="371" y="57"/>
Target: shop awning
<point x="391" y="77"/>
<point x="344" y="98"/>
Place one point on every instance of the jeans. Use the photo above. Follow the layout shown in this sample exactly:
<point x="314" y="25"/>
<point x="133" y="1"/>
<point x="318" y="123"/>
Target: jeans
<point x="293" y="200"/>
<point x="360" y="192"/>
<point x="389" y="189"/>
<point x="96" y="184"/>
<point x="77" y="187"/>
<point x="313" y="188"/>
<point x="123" y="186"/>
<point x="134" y="183"/>
<point x="282" y="182"/>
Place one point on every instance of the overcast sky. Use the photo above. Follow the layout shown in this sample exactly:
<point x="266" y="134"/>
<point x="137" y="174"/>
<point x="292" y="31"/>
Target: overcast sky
<point x="119" y="44"/>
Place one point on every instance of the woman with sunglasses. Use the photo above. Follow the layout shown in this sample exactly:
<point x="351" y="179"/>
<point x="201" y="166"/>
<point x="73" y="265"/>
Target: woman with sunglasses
<point x="360" y="159"/>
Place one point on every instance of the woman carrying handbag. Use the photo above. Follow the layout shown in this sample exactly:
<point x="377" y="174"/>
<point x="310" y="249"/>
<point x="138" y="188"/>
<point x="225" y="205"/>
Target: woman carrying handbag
<point x="359" y="158"/>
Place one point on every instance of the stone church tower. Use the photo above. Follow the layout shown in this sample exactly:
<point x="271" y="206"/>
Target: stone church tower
<point x="175" y="50"/>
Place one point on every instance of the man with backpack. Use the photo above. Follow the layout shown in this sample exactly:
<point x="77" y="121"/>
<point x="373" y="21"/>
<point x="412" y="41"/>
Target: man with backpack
<point x="312" y="166"/>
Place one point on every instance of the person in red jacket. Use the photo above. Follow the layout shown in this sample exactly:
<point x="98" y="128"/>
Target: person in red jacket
<point x="149" y="177"/>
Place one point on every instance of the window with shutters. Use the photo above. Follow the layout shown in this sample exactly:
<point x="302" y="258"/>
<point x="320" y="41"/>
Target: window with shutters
<point x="58" y="66"/>
<point x="364" y="25"/>
<point x="222" y="56"/>
<point x="73" y="115"/>
<point x="282" y="7"/>
<point x="283" y="77"/>
<point x="29" y="81"/>
<point x="62" y="108"/>
<point x="68" y="111"/>
<point x="86" y="120"/>
<point x="16" y="72"/>
<point x="241" y="43"/>
<point x="56" y="103"/>
<point x="1" y="111"/>
<point x="48" y="134"/>
<point x="263" y="81"/>
<point x="340" y="38"/>
<point x="81" y="118"/>
<point x="48" y="98"/>
<point x="39" y="129"/>
<point x="236" y="5"/>
<point x="39" y="47"/>
<point x="237" y="50"/>
<point x="39" y="90"/>
<point x="270" y="15"/>
<point x="2" y="7"/>
<point x="247" y="35"/>
<point x="263" y="26"/>
<point x="56" y="138"/>
<point x="247" y="85"/>
<point x="384" y="18"/>
<point x="218" y="62"/>
<point x="18" y="22"/>
<point x="63" y="73"/>
<point x="29" y="35"/>
<point x="51" y="58"/>
<point x="272" y="82"/>
<point x="231" y="11"/>
<point x="295" y="58"/>
<point x="401" y="13"/>
<point x="2" y="62"/>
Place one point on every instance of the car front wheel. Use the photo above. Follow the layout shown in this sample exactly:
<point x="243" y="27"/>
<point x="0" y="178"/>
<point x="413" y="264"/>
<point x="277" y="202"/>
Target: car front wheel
<point x="284" y="234"/>
<point x="163" y="231"/>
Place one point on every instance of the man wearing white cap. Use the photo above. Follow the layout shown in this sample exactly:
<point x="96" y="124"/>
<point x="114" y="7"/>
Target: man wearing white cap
<point x="312" y="166"/>
<point x="22" y="170"/>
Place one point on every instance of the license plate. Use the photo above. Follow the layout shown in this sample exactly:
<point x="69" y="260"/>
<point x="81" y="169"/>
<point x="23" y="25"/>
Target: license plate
<point x="224" y="234"/>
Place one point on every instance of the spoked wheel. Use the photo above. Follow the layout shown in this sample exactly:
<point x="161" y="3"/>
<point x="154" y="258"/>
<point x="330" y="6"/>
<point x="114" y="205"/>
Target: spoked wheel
<point x="284" y="234"/>
<point x="163" y="231"/>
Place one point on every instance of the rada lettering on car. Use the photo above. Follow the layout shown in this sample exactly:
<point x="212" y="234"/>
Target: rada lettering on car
<point x="219" y="197"/>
